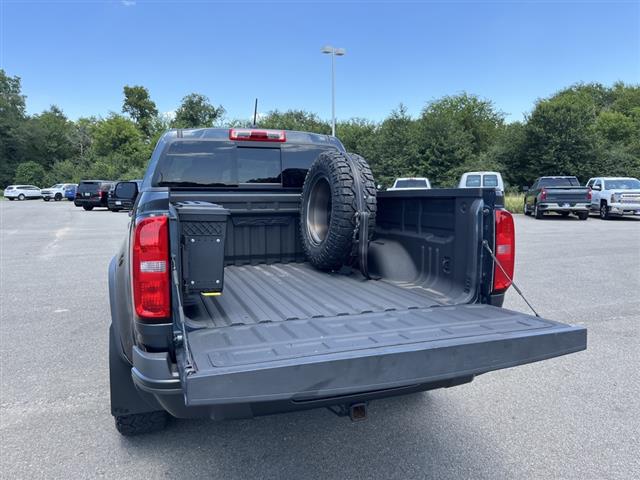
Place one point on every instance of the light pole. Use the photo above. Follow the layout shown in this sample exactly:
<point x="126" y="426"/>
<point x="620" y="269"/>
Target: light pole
<point x="333" y="52"/>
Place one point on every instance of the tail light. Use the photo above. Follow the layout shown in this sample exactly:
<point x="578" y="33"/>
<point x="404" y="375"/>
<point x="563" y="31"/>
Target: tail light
<point x="257" y="135"/>
<point x="543" y="194"/>
<point x="505" y="251"/>
<point x="150" y="268"/>
<point x="589" y="194"/>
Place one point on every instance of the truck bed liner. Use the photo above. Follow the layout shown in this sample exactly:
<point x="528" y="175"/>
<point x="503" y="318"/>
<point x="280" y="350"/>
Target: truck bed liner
<point x="296" y="291"/>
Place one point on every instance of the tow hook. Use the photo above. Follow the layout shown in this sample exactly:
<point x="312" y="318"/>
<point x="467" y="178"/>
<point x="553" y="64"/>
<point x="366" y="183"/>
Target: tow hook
<point x="355" y="411"/>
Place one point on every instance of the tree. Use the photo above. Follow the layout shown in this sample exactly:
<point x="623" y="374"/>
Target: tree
<point x="196" y="111"/>
<point x="138" y="104"/>
<point x="30" y="173"/>
<point x="12" y="116"/>
<point x="295" y="120"/>
<point x="560" y="138"/>
<point x="356" y="134"/>
<point x="48" y="138"/>
<point x="392" y="150"/>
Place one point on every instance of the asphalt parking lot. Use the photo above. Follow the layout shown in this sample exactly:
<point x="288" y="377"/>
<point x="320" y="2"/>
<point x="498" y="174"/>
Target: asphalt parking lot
<point x="571" y="417"/>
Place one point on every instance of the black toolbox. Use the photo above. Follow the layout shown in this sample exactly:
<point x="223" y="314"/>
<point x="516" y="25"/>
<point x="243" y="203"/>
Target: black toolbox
<point x="203" y="228"/>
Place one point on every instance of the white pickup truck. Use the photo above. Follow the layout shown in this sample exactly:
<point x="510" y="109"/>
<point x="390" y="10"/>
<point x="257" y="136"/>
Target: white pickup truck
<point x="615" y="196"/>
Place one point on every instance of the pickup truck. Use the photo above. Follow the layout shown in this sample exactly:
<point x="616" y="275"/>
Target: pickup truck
<point x="217" y="312"/>
<point x="563" y="195"/>
<point x="614" y="196"/>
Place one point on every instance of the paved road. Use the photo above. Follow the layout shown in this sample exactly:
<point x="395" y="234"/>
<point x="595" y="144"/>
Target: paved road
<point x="571" y="417"/>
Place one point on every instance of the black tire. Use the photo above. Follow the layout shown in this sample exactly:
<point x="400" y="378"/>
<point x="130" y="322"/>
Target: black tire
<point x="58" y="197"/>
<point x="583" y="215"/>
<point x="21" y="197"/>
<point x="45" y="199"/>
<point x="87" y="207"/>
<point x="565" y="214"/>
<point x="604" y="211"/>
<point x="329" y="205"/>
<point x="11" y="199"/>
<point x="526" y="209"/>
<point x="537" y="212"/>
<point x="115" y="209"/>
<point x="141" y="423"/>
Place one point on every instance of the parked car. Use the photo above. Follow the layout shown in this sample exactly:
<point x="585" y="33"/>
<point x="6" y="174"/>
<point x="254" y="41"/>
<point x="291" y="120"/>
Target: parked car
<point x="482" y="179"/>
<point x="22" y="192"/>
<point x="92" y="193"/>
<point x="123" y="195"/>
<point x="563" y="195"/>
<point x="413" y="183"/>
<point x="70" y="191"/>
<point x="615" y="196"/>
<point x="243" y="284"/>
<point x="56" y="192"/>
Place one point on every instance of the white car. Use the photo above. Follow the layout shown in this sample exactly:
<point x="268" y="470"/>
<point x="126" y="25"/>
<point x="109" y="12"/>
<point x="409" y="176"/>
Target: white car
<point x="56" y="192"/>
<point x="615" y="196"/>
<point x="482" y="179"/>
<point x="410" y="183"/>
<point x="22" y="192"/>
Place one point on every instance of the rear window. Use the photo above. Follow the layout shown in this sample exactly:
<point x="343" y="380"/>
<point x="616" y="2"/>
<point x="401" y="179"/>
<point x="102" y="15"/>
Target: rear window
<point x="88" y="187"/>
<point x="206" y="164"/>
<point x="473" y="181"/>
<point x="411" y="184"/>
<point x="559" y="182"/>
<point x="126" y="190"/>
<point x="490" y="181"/>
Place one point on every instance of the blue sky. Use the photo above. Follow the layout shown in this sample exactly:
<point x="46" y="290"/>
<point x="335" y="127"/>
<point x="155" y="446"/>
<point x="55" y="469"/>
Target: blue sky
<point x="79" y="54"/>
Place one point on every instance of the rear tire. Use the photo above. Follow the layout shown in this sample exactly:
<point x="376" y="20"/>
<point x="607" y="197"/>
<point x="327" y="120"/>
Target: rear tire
<point x="329" y="205"/>
<point x="87" y="207"/>
<point x="537" y="212"/>
<point x="583" y="215"/>
<point x="141" y="423"/>
<point x="11" y="199"/>
<point x="58" y="197"/>
<point x="45" y="199"/>
<point x="526" y="209"/>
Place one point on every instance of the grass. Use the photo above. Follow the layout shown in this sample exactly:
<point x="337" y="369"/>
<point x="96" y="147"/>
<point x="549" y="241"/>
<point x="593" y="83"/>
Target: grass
<point x="514" y="202"/>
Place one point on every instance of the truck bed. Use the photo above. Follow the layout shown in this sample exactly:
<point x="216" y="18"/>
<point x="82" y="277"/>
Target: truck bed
<point x="271" y="293"/>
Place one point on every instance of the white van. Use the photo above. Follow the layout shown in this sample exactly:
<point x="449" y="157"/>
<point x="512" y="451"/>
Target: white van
<point x="481" y="179"/>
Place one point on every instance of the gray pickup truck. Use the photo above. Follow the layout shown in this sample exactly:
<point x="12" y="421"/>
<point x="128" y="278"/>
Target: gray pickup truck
<point x="563" y="195"/>
<point x="222" y="307"/>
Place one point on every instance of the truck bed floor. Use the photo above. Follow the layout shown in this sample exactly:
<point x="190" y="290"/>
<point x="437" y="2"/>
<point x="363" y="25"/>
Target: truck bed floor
<point x="271" y="293"/>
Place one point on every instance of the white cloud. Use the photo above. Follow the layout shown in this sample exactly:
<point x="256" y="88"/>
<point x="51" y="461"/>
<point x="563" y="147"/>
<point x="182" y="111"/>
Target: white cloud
<point x="170" y="115"/>
<point x="128" y="3"/>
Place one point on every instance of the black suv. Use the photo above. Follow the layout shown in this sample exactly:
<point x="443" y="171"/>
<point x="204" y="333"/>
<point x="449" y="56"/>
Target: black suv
<point x="123" y="195"/>
<point x="92" y="193"/>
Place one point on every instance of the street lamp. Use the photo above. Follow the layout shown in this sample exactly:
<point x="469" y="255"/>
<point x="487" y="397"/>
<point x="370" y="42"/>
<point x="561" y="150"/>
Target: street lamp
<point x="328" y="49"/>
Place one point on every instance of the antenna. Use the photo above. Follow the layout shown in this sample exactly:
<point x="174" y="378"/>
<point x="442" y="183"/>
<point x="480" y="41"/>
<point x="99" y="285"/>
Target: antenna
<point x="255" y="112"/>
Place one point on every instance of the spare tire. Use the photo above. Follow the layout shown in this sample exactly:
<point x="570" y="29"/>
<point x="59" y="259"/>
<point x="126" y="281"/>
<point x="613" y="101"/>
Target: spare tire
<point x="329" y="207"/>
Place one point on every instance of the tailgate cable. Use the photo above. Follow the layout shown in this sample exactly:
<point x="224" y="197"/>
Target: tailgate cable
<point x="190" y="364"/>
<point x="488" y="248"/>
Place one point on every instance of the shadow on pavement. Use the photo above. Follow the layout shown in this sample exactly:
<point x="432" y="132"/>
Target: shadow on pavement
<point x="389" y="444"/>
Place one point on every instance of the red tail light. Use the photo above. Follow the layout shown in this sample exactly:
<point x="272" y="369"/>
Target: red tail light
<point x="505" y="251"/>
<point x="150" y="265"/>
<point x="257" y="135"/>
<point x="543" y="194"/>
<point x="589" y="194"/>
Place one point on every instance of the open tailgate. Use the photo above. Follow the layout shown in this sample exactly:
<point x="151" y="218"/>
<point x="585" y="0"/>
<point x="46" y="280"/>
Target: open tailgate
<point x="317" y="358"/>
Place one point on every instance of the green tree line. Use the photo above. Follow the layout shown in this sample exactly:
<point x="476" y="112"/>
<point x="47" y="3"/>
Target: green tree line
<point x="584" y="130"/>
